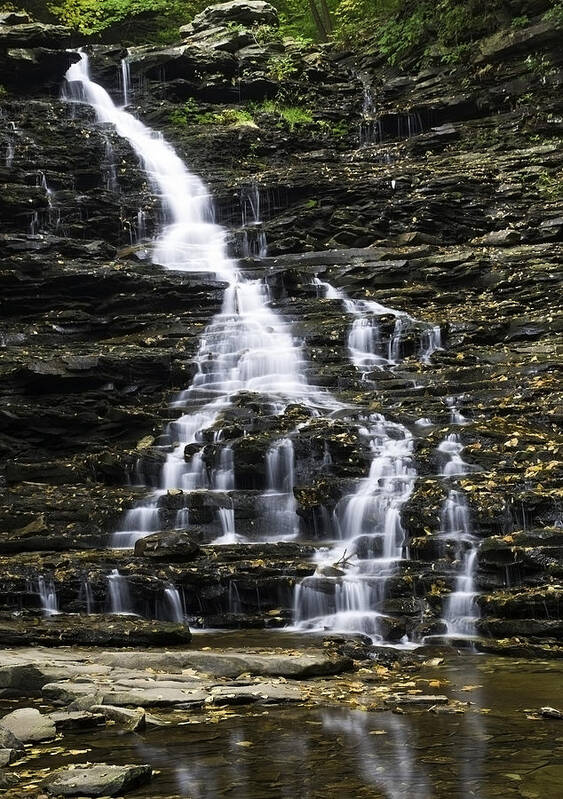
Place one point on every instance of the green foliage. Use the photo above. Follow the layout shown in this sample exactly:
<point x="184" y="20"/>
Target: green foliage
<point x="191" y="114"/>
<point x="292" y="114"/>
<point x="92" y="17"/>
<point x="3" y="92"/>
<point x="555" y="14"/>
<point x="281" y="68"/>
<point x="265" y="34"/>
<point x="520" y="22"/>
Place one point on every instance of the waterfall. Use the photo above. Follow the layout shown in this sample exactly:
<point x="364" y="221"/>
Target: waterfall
<point x="246" y="347"/>
<point x="365" y="345"/>
<point x="86" y="595"/>
<point x="430" y="342"/>
<point x="352" y="581"/>
<point x="278" y="507"/>
<point x="174" y="605"/>
<point x="125" y="81"/>
<point x="460" y="610"/>
<point x="10" y="152"/>
<point x="119" y="595"/>
<point x="452" y="448"/>
<point x="45" y="588"/>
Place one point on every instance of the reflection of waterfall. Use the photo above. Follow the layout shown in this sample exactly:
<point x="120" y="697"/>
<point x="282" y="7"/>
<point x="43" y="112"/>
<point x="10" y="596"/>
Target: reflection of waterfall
<point x="388" y="763"/>
<point x="347" y="587"/>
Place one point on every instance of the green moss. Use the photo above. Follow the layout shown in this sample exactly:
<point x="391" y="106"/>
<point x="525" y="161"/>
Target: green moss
<point x="191" y="114"/>
<point x="292" y="114"/>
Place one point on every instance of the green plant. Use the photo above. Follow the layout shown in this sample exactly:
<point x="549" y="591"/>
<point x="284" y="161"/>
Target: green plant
<point x="554" y="14"/>
<point x="191" y="114"/>
<point x="281" y="68"/>
<point x="3" y="92"/>
<point x="293" y="115"/>
<point x="520" y="22"/>
<point x="539" y="64"/>
<point x="265" y="34"/>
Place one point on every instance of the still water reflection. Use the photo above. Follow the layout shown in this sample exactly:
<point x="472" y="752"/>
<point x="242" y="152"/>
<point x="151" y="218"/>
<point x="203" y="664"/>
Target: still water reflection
<point x="493" y="749"/>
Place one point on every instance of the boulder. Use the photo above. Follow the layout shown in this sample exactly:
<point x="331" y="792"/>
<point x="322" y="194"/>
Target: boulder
<point x="29" y="725"/>
<point x="263" y="693"/>
<point x="99" y="780"/>
<point x="34" y="34"/>
<point x="8" y="741"/>
<point x="244" y="12"/>
<point x="169" y="545"/>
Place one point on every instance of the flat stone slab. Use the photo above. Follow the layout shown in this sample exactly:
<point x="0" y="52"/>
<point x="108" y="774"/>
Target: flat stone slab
<point x="29" y="725"/>
<point x="263" y="693"/>
<point x="155" y="697"/>
<point x="99" y="780"/>
<point x="418" y="699"/>
<point x="226" y="664"/>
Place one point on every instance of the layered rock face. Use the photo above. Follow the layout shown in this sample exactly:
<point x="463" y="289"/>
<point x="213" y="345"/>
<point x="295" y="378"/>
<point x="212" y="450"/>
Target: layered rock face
<point x="436" y="196"/>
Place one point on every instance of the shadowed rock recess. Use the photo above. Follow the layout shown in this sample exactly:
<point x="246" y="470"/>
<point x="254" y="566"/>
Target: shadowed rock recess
<point x="408" y="233"/>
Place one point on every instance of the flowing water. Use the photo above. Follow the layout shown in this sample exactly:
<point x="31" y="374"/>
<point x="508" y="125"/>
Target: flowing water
<point x="247" y="347"/>
<point x="350" y="582"/>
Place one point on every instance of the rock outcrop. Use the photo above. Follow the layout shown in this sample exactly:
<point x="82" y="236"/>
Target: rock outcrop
<point x="441" y="198"/>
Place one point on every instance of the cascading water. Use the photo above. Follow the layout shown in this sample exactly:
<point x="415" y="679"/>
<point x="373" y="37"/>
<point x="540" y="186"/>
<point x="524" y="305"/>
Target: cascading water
<point x="460" y="610"/>
<point x="246" y="347"/>
<point x="365" y="345"/>
<point x="278" y="507"/>
<point x="451" y="447"/>
<point x="174" y="608"/>
<point x="125" y="81"/>
<point x="45" y="588"/>
<point x="351" y="582"/>
<point x="119" y="594"/>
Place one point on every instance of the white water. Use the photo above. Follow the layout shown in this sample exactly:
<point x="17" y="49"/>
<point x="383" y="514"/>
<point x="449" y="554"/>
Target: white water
<point x="350" y="583"/>
<point x="174" y="607"/>
<point x="278" y="508"/>
<point x="451" y="448"/>
<point x="460" y="610"/>
<point x="47" y="596"/>
<point x="119" y="595"/>
<point x="246" y="347"/>
<point x="367" y="349"/>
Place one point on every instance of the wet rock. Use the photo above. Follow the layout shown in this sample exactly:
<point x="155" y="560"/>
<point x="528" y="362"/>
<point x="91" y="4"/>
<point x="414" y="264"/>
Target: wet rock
<point x="551" y="713"/>
<point x="29" y="725"/>
<point x="293" y="666"/>
<point x="156" y="697"/>
<point x="129" y="719"/>
<point x="21" y="679"/>
<point x="418" y="700"/>
<point x="263" y="693"/>
<point x="99" y="780"/>
<point x="94" y="631"/>
<point x="9" y="742"/>
<point x="170" y="545"/>
<point x="77" y="720"/>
